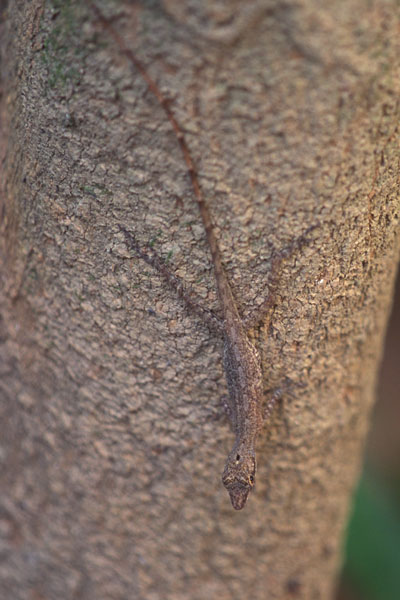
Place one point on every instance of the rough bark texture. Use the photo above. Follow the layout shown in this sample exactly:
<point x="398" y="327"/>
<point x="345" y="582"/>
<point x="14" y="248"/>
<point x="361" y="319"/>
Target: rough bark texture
<point x="114" y="437"/>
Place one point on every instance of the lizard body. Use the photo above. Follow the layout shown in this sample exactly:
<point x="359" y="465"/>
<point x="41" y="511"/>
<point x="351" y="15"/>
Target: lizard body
<point x="241" y="360"/>
<point x="242" y="367"/>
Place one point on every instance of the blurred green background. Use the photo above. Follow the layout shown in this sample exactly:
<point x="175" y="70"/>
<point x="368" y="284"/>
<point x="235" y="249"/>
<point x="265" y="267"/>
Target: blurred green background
<point x="371" y="568"/>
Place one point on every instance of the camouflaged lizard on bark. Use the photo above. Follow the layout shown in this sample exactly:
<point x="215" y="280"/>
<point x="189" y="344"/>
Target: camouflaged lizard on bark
<point x="241" y="360"/>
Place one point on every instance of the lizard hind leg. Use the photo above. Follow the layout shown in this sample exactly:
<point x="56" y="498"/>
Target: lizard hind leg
<point x="265" y="310"/>
<point x="187" y="295"/>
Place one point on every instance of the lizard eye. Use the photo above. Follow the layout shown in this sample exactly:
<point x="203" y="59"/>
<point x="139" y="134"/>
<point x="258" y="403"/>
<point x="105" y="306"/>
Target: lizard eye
<point x="237" y="458"/>
<point x="251" y="479"/>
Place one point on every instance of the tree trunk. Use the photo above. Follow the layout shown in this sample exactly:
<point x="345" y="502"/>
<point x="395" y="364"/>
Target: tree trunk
<point x="114" y="435"/>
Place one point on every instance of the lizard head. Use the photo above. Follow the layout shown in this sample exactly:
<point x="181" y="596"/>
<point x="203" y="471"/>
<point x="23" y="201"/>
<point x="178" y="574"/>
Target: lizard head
<point x="239" y="477"/>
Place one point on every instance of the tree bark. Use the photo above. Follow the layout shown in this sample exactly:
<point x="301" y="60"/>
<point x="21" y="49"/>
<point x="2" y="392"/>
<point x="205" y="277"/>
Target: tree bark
<point x="111" y="393"/>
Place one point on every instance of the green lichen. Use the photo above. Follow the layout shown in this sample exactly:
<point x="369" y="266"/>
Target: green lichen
<point x="62" y="48"/>
<point x="95" y="189"/>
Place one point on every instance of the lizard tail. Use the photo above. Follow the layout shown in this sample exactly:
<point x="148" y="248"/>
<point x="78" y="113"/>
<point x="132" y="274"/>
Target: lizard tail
<point x="224" y="290"/>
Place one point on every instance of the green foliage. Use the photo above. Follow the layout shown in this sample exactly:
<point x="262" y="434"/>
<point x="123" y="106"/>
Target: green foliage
<point x="372" y="561"/>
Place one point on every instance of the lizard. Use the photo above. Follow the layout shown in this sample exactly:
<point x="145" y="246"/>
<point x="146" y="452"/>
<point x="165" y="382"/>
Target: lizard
<point x="241" y="360"/>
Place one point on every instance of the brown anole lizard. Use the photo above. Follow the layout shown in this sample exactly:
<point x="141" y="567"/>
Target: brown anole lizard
<point x="240" y="357"/>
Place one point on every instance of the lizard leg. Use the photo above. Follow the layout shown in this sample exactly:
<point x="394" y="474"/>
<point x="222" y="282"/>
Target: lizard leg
<point x="228" y="411"/>
<point x="260" y="313"/>
<point x="269" y="406"/>
<point x="189" y="297"/>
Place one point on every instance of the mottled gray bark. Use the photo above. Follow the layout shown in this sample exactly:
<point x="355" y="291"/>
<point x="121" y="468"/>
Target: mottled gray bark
<point x="114" y="436"/>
